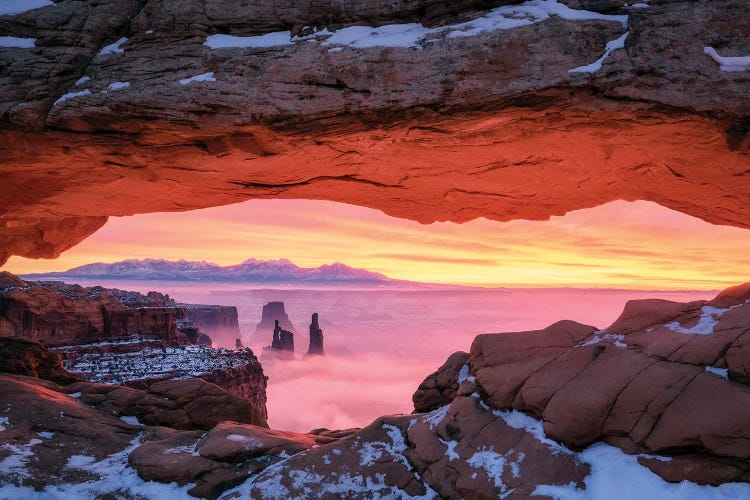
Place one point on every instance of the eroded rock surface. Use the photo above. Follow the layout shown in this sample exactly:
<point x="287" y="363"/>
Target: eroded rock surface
<point x="55" y="313"/>
<point x="180" y="404"/>
<point x="440" y="388"/>
<point x="32" y="359"/>
<point x="665" y="378"/>
<point x="139" y="113"/>
<point x="567" y="411"/>
<point x="116" y="336"/>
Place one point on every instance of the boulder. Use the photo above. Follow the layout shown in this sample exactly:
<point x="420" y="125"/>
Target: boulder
<point x="665" y="379"/>
<point x="181" y="404"/>
<point x="32" y="359"/>
<point x="440" y="387"/>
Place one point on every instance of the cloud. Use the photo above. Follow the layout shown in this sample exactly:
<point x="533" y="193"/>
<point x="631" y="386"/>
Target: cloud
<point x="428" y="258"/>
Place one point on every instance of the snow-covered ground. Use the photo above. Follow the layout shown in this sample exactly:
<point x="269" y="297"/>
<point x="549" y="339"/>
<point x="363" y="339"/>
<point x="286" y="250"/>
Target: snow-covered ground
<point x="416" y="35"/>
<point x="151" y="362"/>
<point x="116" y="479"/>
<point x="710" y="317"/>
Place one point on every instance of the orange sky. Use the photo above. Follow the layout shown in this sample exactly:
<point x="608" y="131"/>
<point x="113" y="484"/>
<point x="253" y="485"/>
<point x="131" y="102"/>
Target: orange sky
<point x="619" y="245"/>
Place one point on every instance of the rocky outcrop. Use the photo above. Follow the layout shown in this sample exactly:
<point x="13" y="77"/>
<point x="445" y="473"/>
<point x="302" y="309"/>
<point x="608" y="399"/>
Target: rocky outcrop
<point x="273" y="315"/>
<point x="287" y="341"/>
<point x="354" y="117"/>
<point x="665" y="379"/>
<point x="180" y="404"/>
<point x="220" y="323"/>
<point x="316" y="337"/>
<point x="91" y="443"/>
<point x="219" y="459"/>
<point x="55" y="313"/>
<point x="140" y="365"/>
<point x="440" y="387"/>
<point x="32" y="359"/>
<point x="276" y="340"/>
<point x="246" y="380"/>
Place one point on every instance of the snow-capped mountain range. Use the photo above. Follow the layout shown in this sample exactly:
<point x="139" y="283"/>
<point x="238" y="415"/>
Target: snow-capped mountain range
<point x="252" y="270"/>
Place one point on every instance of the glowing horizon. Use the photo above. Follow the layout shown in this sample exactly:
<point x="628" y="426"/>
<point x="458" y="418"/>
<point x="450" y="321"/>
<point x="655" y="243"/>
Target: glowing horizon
<point x="637" y="245"/>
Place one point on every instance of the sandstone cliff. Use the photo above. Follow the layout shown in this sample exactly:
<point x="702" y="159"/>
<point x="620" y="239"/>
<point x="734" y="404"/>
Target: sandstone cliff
<point x="219" y="322"/>
<point x="273" y="312"/>
<point x="55" y="313"/>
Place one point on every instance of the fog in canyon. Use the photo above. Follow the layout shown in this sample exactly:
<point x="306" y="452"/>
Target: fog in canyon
<point x="381" y="343"/>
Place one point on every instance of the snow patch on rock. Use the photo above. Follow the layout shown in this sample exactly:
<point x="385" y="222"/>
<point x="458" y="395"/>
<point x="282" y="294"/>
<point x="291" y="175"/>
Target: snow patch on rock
<point x="129" y="419"/>
<point x="14" y="7"/>
<point x="72" y="95"/>
<point x="16" y="42"/>
<point x="728" y="64"/>
<point x="434" y="418"/>
<point x="618" y="43"/>
<point x="710" y="317"/>
<point x="616" y="475"/>
<point x="113" y="48"/>
<point x="14" y="464"/>
<point x="602" y="335"/>
<point x="118" y="85"/>
<point x="416" y="35"/>
<point x="721" y="372"/>
<point x="204" y="77"/>
<point x="494" y="465"/>
<point x="174" y="362"/>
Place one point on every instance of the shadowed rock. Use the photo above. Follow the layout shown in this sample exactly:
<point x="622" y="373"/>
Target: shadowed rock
<point x="440" y="387"/>
<point x="316" y="337"/>
<point x="274" y="315"/>
<point x="287" y="341"/>
<point x="26" y="357"/>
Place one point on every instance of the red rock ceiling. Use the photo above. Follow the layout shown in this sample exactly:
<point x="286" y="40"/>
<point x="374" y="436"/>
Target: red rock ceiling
<point x="492" y="125"/>
<point x="507" y="164"/>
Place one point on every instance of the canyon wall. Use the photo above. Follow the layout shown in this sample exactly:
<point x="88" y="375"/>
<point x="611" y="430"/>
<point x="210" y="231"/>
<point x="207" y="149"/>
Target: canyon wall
<point x="59" y="314"/>
<point x="218" y="322"/>
<point x="116" y="336"/>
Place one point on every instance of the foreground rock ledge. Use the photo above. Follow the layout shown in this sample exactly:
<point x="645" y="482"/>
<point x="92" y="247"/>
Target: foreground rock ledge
<point x="492" y="125"/>
<point x="559" y="411"/>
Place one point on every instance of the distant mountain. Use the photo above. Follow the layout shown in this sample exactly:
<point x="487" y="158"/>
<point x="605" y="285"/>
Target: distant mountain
<point x="254" y="271"/>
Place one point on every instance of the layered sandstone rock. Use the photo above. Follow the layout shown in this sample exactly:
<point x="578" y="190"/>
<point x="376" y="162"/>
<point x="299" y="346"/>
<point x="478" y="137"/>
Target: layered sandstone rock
<point x="217" y="460"/>
<point x="55" y="313"/>
<point x="664" y="379"/>
<point x="272" y="315"/>
<point x="164" y="122"/>
<point x="440" y="388"/>
<point x="218" y="322"/>
<point x="180" y="404"/>
<point x="32" y="359"/>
